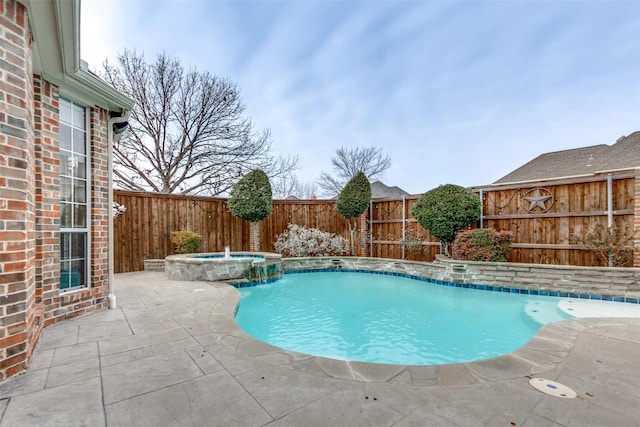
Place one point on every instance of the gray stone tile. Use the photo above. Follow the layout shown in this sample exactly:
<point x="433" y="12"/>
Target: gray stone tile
<point x="281" y="391"/>
<point x="605" y="361"/>
<point x="342" y="408"/>
<point x="234" y="362"/>
<point x="580" y="412"/>
<point x="375" y="372"/>
<point x="421" y="418"/>
<point x="534" y="420"/>
<point x="41" y="359"/>
<point x="99" y="317"/>
<point x="423" y="375"/>
<point x="501" y="368"/>
<point x="59" y="335"/>
<point x="141" y="353"/>
<point x="75" y="404"/>
<point x="104" y="330"/>
<point x="73" y="372"/>
<point x="212" y="400"/>
<point x="205" y="360"/>
<point x="610" y="400"/>
<point x="118" y="345"/>
<point x="492" y="404"/>
<point x="141" y="376"/>
<point x="30" y="381"/>
<point x="457" y="374"/>
<point x="73" y="353"/>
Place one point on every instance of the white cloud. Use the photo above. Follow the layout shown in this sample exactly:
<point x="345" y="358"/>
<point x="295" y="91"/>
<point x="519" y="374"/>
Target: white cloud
<point x="460" y="92"/>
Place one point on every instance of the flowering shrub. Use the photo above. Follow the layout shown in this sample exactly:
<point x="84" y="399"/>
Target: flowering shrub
<point x="299" y="241"/>
<point x="185" y="241"/>
<point x="482" y="245"/>
<point x="118" y="209"/>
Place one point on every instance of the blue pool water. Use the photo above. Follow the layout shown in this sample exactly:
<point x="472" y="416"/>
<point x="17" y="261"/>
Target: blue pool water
<point x="390" y="319"/>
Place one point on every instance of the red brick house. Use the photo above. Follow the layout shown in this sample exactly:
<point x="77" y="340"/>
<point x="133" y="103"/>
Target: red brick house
<point x="57" y="121"/>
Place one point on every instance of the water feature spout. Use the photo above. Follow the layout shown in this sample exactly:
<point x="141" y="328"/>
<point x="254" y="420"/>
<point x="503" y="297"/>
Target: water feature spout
<point x="227" y="252"/>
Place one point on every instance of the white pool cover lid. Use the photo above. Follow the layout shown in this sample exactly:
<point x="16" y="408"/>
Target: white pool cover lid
<point x="552" y="388"/>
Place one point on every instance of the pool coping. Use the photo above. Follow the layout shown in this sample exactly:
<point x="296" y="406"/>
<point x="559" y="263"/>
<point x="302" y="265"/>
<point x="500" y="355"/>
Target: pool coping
<point x="542" y="353"/>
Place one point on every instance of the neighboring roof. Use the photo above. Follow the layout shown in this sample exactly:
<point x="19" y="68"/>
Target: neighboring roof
<point x="55" y="26"/>
<point x="382" y="191"/>
<point x="624" y="154"/>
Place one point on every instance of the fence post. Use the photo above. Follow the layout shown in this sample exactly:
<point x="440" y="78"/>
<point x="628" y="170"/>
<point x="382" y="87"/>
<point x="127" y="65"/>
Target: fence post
<point x="610" y="209"/>
<point x="481" y="207"/>
<point x="404" y="222"/>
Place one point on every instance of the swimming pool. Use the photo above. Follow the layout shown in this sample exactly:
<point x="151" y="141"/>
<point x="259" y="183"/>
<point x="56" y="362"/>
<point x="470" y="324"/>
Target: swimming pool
<point x="390" y="319"/>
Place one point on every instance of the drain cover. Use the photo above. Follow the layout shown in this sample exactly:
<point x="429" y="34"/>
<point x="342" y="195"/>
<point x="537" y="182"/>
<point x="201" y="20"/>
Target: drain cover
<point x="552" y="388"/>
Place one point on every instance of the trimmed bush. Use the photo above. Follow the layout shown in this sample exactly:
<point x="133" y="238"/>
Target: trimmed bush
<point x="445" y="210"/>
<point x="482" y="245"/>
<point x="353" y="201"/>
<point x="185" y="241"/>
<point x="300" y="241"/>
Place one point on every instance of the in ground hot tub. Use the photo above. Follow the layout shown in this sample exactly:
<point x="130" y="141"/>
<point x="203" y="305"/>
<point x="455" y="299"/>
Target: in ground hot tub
<point x="220" y="266"/>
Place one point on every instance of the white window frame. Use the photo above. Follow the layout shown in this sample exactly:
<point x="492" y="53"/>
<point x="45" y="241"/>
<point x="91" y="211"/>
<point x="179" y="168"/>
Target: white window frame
<point x="86" y="231"/>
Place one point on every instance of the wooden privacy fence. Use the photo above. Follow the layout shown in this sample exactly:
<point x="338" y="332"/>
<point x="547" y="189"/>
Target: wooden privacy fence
<point x="549" y="221"/>
<point x="144" y="230"/>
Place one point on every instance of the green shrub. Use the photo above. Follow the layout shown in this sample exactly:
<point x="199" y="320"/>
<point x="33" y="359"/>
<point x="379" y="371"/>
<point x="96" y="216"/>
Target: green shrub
<point x="185" y="241"/>
<point x="251" y="197"/>
<point x="353" y="201"/>
<point x="445" y="210"/>
<point x="482" y="245"/>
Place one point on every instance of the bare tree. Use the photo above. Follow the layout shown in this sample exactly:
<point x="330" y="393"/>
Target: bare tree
<point x="348" y="162"/>
<point x="290" y="187"/>
<point x="188" y="132"/>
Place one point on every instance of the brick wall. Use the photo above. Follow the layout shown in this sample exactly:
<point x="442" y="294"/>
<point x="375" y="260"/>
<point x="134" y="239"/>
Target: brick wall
<point x="18" y="320"/>
<point x="30" y="297"/>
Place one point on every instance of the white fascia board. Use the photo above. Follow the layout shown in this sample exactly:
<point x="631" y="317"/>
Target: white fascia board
<point x="55" y="25"/>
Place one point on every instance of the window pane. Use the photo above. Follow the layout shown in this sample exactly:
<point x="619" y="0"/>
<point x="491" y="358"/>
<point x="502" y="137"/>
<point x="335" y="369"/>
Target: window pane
<point x="65" y="215"/>
<point x="77" y="245"/>
<point x="65" y="137"/>
<point x="65" y="189"/>
<point x="65" y="111"/>
<point x="66" y="167"/>
<point x="80" y="216"/>
<point x="77" y="273"/>
<point x="81" y="169"/>
<point x="65" y="249"/>
<point x="79" y="191"/>
<point x="79" y="144"/>
<point x="65" y="275"/>
<point x="78" y="117"/>
<point x="72" y="274"/>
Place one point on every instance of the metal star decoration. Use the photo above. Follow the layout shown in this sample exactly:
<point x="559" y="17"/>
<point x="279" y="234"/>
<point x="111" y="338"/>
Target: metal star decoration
<point x="538" y="200"/>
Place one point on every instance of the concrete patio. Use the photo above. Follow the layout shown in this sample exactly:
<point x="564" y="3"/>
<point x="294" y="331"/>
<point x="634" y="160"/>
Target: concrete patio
<point x="172" y="355"/>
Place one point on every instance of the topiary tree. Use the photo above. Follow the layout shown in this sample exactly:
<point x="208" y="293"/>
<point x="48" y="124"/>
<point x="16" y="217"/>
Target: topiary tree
<point x="445" y="210"/>
<point x="251" y="199"/>
<point x="352" y="201"/>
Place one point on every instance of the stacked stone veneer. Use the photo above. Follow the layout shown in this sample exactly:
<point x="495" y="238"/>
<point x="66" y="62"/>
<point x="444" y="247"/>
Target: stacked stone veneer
<point x="192" y="268"/>
<point x="622" y="282"/>
<point x="30" y="297"/>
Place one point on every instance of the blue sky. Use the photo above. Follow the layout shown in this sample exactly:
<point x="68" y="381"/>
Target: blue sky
<point x="454" y="92"/>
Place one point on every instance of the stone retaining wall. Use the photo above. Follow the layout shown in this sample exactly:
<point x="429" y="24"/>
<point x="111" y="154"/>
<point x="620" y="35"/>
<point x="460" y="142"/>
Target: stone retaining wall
<point x="595" y="281"/>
